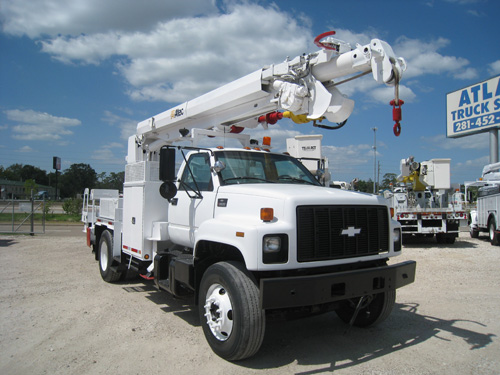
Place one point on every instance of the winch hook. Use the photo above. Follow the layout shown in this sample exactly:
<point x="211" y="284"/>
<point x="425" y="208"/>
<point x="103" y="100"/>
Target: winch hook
<point x="396" y="115"/>
<point x="396" y="103"/>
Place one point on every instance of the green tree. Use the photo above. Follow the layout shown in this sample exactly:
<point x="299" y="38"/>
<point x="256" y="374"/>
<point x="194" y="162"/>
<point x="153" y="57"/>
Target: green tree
<point x="29" y="185"/>
<point x="364" y="186"/>
<point x="34" y="173"/>
<point x="72" y="206"/>
<point x="387" y="180"/>
<point x="13" y="172"/>
<point x="19" y="172"/>
<point x="113" y="181"/>
<point x="76" y="178"/>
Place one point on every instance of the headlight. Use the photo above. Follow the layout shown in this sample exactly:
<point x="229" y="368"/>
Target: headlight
<point x="272" y="244"/>
<point x="275" y="248"/>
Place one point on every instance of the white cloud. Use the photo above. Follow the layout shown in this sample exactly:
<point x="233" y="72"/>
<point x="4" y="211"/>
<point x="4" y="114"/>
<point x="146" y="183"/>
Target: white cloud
<point x="37" y="126"/>
<point x="464" y="2"/>
<point x="494" y="68"/>
<point x="60" y="17"/>
<point x="184" y="57"/>
<point x="478" y="164"/>
<point x="423" y="59"/>
<point x="348" y="155"/>
<point x="174" y="51"/>
<point x="25" y="149"/>
<point x="386" y="94"/>
<point x="127" y="126"/>
<point x="472" y="142"/>
<point x="352" y="37"/>
<point x="472" y="167"/>
<point x="105" y="153"/>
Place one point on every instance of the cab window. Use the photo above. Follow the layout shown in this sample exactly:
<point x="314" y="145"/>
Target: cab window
<point x="200" y="174"/>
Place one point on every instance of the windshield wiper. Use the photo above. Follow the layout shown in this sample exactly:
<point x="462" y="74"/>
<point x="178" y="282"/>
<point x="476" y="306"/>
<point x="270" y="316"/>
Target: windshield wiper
<point x="246" y="178"/>
<point x="295" y="179"/>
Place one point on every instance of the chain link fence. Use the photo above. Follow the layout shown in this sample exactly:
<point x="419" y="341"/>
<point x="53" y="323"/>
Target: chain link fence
<point x="23" y="216"/>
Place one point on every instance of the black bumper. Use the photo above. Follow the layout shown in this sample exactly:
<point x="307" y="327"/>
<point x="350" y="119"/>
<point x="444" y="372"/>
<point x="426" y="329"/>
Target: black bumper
<point x="285" y="292"/>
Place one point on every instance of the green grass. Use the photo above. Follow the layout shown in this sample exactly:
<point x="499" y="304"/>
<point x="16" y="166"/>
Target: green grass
<point x="49" y="218"/>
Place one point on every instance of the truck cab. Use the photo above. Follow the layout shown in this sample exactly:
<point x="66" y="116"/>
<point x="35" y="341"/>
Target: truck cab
<point x="249" y="199"/>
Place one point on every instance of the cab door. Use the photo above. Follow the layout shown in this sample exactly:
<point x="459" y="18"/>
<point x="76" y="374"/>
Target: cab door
<point x="194" y="202"/>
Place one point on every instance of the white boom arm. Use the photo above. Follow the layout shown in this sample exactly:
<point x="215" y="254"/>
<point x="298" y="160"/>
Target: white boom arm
<point x="303" y="86"/>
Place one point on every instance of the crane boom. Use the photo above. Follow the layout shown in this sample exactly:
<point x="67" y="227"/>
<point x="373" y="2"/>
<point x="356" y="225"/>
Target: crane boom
<point x="304" y="86"/>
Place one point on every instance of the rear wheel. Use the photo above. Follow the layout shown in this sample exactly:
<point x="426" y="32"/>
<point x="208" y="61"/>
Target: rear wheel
<point x="492" y="227"/>
<point x="233" y="322"/>
<point x="106" y="258"/>
<point x="374" y="310"/>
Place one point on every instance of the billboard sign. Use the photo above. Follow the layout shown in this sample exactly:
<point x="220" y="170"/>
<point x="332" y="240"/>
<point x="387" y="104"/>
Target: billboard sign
<point x="56" y="163"/>
<point x="473" y="109"/>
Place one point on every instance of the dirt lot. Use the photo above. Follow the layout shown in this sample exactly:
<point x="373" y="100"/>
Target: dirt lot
<point x="58" y="317"/>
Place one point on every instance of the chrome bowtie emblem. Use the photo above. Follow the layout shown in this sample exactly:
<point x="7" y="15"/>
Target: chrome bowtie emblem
<point x="351" y="231"/>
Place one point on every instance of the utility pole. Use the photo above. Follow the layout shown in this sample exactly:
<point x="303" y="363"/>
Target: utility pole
<point x="56" y="164"/>
<point x="378" y="174"/>
<point x="374" y="160"/>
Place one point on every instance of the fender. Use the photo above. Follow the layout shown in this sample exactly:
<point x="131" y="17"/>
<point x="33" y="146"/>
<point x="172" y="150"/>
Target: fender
<point x="243" y="236"/>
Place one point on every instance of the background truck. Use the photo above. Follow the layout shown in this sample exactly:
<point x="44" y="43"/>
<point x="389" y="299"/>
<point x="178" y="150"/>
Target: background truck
<point x="425" y="204"/>
<point x="247" y="233"/>
<point x="307" y="149"/>
<point x="486" y="217"/>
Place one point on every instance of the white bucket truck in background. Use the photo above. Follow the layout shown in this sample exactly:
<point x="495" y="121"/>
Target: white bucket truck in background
<point x="424" y="204"/>
<point x="486" y="217"/>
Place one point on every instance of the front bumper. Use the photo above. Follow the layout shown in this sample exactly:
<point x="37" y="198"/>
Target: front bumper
<point x="286" y="292"/>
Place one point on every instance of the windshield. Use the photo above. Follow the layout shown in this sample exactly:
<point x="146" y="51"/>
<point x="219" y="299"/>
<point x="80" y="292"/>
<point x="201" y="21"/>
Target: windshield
<point x="243" y="167"/>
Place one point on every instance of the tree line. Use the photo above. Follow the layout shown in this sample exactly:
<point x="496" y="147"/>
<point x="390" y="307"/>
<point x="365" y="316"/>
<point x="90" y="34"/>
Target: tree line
<point x="72" y="181"/>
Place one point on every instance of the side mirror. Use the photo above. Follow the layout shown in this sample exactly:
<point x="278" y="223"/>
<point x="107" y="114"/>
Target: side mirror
<point x="167" y="164"/>
<point x="320" y="173"/>
<point x="168" y="190"/>
<point x="218" y="166"/>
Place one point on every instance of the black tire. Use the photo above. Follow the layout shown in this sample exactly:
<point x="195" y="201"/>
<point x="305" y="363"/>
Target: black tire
<point x="450" y="239"/>
<point x="374" y="311"/>
<point x="474" y="233"/>
<point x="232" y="321"/>
<point x="492" y="226"/>
<point x="105" y="257"/>
<point x="440" y="238"/>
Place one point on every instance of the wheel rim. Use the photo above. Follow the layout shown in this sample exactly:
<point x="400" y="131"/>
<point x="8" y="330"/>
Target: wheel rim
<point x="219" y="312"/>
<point x="104" y="256"/>
<point x="492" y="231"/>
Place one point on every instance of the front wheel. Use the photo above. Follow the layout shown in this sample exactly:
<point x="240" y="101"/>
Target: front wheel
<point x="373" y="311"/>
<point x="106" y="258"/>
<point x="233" y="322"/>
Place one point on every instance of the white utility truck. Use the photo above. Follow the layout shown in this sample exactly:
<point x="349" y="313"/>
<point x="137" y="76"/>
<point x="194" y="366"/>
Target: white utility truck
<point x="307" y="149"/>
<point x="425" y="205"/>
<point x="247" y="233"/>
<point x="486" y="217"/>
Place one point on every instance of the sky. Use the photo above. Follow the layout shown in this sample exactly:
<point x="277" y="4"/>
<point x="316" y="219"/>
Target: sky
<point x="76" y="77"/>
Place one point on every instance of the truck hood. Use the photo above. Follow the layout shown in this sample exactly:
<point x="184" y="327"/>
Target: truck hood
<point x="303" y="194"/>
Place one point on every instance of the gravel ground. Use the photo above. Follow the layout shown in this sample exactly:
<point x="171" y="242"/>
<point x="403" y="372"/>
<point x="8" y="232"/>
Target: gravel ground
<point x="57" y="316"/>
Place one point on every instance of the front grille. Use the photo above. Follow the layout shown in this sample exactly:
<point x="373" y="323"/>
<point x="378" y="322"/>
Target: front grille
<point x="319" y="231"/>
